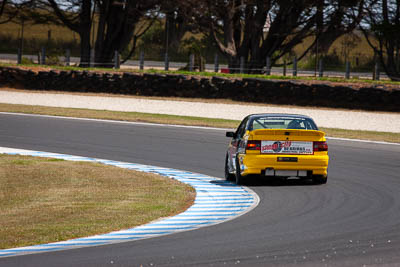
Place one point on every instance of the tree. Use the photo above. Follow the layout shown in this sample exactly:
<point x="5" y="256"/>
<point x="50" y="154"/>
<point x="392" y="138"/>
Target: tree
<point x="335" y="18"/>
<point x="382" y="23"/>
<point x="179" y="20"/>
<point x="119" y="24"/>
<point x="9" y="9"/>
<point x="2" y="8"/>
<point x="76" y="15"/>
<point x="255" y="29"/>
<point x="116" y="23"/>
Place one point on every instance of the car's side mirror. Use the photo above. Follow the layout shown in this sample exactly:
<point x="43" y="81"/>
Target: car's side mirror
<point x="230" y="134"/>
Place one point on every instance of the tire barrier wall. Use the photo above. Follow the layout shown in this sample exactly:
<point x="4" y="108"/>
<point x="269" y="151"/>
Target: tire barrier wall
<point x="378" y="97"/>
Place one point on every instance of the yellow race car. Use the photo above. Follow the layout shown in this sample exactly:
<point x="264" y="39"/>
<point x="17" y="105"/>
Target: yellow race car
<point x="277" y="145"/>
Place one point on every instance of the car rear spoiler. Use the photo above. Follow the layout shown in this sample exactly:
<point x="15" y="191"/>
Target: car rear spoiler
<point x="290" y="132"/>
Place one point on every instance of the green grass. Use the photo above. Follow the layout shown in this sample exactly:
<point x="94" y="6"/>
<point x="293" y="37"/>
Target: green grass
<point x="46" y="200"/>
<point x="274" y="77"/>
<point x="179" y="120"/>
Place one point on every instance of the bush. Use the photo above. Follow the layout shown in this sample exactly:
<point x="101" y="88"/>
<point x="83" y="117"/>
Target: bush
<point x="53" y="60"/>
<point x="330" y="62"/>
<point x="26" y="61"/>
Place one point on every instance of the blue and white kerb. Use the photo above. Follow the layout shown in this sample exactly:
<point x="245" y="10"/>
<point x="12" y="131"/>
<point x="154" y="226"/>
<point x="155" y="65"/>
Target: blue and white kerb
<point x="216" y="201"/>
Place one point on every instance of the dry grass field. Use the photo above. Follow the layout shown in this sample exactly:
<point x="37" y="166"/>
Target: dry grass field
<point x="47" y="200"/>
<point x="39" y="32"/>
<point x="350" y="46"/>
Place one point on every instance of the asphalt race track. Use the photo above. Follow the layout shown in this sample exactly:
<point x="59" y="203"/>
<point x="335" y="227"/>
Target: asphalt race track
<point x="353" y="220"/>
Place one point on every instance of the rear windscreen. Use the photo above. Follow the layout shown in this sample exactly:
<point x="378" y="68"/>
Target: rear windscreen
<point x="282" y="123"/>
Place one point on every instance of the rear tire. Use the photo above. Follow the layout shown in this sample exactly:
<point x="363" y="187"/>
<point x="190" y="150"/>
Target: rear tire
<point x="239" y="178"/>
<point x="319" y="179"/>
<point x="228" y="175"/>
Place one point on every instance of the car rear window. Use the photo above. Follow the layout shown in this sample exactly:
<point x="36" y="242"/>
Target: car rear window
<point x="282" y="123"/>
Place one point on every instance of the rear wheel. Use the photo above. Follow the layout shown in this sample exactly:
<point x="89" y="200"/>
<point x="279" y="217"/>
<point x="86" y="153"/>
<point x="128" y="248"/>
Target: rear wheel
<point x="319" y="179"/>
<point x="238" y="175"/>
<point x="228" y="175"/>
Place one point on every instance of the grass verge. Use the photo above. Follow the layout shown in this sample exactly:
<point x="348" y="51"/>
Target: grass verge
<point x="117" y="115"/>
<point x="180" y="120"/>
<point x="47" y="200"/>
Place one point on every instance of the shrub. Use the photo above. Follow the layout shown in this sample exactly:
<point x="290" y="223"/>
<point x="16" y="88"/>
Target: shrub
<point x="27" y="61"/>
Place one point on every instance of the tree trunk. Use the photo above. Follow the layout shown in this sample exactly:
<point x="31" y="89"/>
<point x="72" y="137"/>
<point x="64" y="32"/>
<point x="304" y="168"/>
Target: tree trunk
<point x="177" y="28"/>
<point x="116" y="27"/>
<point x="85" y="49"/>
<point x="84" y="32"/>
<point x="385" y="29"/>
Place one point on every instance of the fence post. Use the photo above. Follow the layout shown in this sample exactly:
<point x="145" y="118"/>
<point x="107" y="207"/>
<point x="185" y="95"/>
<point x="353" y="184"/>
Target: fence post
<point x="43" y="56"/>
<point x="216" y="63"/>
<point x="141" y="60"/>
<point x="347" y="70"/>
<point x="191" y="62"/>
<point x="19" y="58"/>
<point x="268" y="66"/>
<point x="67" y="57"/>
<point x="377" y="74"/>
<point x="295" y="66"/>
<point x="374" y="73"/>
<point x="91" y="60"/>
<point x="202" y="64"/>
<point x="284" y="67"/>
<point x="116" y="60"/>
<point x="166" y="62"/>
<point x="241" y="65"/>
<point x="321" y="68"/>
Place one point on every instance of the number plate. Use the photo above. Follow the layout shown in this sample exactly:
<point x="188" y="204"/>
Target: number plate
<point x="287" y="159"/>
<point x="285" y="173"/>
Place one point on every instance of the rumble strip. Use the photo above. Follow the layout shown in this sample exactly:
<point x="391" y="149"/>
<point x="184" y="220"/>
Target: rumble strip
<point x="216" y="201"/>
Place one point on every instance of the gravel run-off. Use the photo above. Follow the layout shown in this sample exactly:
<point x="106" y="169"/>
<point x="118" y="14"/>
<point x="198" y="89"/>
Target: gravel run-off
<point x="330" y="118"/>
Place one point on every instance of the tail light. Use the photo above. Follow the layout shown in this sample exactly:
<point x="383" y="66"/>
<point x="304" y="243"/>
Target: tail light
<point x="253" y="145"/>
<point x="320" y="146"/>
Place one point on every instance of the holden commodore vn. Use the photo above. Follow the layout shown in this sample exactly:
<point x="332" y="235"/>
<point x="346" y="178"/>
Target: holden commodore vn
<point x="277" y="145"/>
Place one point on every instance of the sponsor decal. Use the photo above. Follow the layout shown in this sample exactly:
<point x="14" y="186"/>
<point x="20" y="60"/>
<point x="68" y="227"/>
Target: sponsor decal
<point x="286" y="147"/>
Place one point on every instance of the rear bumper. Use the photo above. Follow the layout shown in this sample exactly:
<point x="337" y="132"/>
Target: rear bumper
<point x="258" y="164"/>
